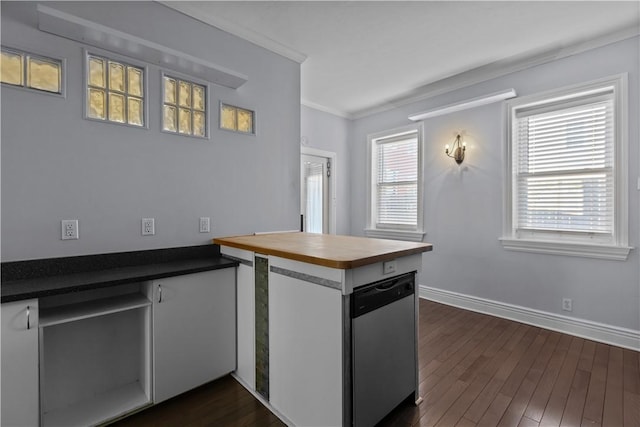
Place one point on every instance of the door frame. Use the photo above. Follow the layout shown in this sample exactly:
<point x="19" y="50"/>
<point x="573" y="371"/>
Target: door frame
<point x="332" y="181"/>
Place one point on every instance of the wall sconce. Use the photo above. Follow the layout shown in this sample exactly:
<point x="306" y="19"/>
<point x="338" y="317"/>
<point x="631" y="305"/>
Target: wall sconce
<point x="457" y="150"/>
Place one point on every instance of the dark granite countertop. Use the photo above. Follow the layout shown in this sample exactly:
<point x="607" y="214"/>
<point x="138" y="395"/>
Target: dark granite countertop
<point x="93" y="274"/>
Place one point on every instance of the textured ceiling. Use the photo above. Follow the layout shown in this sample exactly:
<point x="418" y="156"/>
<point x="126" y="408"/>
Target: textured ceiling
<point x="360" y="55"/>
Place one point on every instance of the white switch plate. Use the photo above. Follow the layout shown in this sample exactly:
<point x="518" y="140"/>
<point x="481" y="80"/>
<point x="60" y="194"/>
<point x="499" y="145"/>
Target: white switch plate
<point x="205" y="224"/>
<point x="148" y="227"/>
<point x="70" y="229"/>
<point x="389" y="267"/>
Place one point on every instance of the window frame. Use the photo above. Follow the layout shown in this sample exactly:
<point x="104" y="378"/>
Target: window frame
<point x="207" y="104"/>
<point x="29" y="53"/>
<point x="560" y="242"/>
<point x="236" y="131"/>
<point x="127" y="62"/>
<point x="410" y="233"/>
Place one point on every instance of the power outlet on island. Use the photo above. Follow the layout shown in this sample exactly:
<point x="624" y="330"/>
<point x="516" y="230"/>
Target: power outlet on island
<point x="389" y="267"/>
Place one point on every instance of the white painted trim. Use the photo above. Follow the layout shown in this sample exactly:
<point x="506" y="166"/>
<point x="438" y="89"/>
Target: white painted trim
<point x="615" y="249"/>
<point x="237" y="30"/>
<point x="333" y="179"/>
<point x="464" y="105"/>
<point x="600" y="332"/>
<point x="324" y="109"/>
<point x="413" y="236"/>
<point x="610" y="252"/>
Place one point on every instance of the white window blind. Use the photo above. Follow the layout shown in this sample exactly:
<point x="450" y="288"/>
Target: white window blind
<point x="564" y="166"/>
<point x="397" y="181"/>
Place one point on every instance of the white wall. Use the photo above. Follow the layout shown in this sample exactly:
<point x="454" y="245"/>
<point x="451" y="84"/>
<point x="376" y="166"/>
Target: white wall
<point x="464" y="205"/>
<point x="57" y="165"/>
<point x="328" y="132"/>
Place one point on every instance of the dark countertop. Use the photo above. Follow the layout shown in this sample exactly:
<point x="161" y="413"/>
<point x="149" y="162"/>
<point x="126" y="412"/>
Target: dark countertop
<point x="20" y="288"/>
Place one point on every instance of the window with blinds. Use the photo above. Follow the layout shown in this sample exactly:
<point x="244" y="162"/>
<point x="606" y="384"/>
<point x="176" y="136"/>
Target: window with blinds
<point x="397" y="181"/>
<point x="565" y="167"/>
<point x="566" y="177"/>
<point x="395" y="184"/>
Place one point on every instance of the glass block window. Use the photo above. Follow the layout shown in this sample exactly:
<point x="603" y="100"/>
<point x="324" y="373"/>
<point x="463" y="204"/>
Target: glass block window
<point x="184" y="107"/>
<point x="23" y="69"/>
<point x="237" y="119"/>
<point x="115" y="91"/>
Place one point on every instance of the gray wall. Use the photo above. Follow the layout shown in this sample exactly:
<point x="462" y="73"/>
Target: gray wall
<point x="57" y="165"/>
<point x="463" y="205"/>
<point x="328" y="132"/>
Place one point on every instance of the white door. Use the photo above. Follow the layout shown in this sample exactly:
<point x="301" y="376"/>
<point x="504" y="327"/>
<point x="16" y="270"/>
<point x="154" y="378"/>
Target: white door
<point x="315" y="173"/>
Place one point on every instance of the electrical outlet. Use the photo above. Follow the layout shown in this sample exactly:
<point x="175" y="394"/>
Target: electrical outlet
<point x="70" y="229"/>
<point x="389" y="267"/>
<point x="567" y="304"/>
<point x="205" y="224"/>
<point x="148" y="227"/>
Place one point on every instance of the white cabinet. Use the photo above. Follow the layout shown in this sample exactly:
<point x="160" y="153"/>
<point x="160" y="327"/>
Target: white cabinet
<point x="20" y="363"/>
<point x="194" y="330"/>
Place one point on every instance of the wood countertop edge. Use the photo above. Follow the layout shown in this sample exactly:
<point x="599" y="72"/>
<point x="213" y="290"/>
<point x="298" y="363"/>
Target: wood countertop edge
<point x="332" y="263"/>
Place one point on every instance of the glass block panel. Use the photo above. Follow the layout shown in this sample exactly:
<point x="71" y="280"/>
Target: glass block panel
<point x="228" y="117"/>
<point x="116" y="107"/>
<point x="185" y="94"/>
<point x="134" y="112"/>
<point x="184" y="123"/>
<point x="199" y="123"/>
<point x="97" y="72"/>
<point x="169" y="90"/>
<point x="97" y="104"/>
<point x="116" y="76"/>
<point x="44" y="75"/>
<point x="11" y="71"/>
<point x="198" y="97"/>
<point x="170" y="121"/>
<point x="245" y="120"/>
<point x="135" y="81"/>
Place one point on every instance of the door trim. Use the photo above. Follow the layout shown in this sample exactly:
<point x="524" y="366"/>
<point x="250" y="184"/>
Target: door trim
<point x="332" y="181"/>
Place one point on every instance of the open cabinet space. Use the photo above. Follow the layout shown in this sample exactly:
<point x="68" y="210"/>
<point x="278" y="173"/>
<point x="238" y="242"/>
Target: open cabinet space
<point x="95" y="360"/>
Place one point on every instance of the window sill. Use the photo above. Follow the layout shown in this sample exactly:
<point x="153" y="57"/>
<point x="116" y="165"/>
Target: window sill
<point x="412" y="236"/>
<point x="617" y="253"/>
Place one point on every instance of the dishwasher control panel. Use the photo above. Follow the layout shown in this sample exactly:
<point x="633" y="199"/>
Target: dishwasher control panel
<point x="375" y="295"/>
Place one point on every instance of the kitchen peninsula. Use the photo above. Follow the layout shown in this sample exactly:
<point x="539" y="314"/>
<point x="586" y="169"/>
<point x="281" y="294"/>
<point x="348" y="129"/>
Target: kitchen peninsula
<point x="296" y="321"/>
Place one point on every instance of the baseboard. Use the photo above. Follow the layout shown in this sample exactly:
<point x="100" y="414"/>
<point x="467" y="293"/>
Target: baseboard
<point x="621" y="337"/>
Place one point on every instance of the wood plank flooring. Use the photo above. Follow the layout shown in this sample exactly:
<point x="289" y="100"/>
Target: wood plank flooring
<point x="475" y="370"/>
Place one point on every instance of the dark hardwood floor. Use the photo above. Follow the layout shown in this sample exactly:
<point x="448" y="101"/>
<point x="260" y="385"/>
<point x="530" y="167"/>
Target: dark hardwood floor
<point x="475" y="370"/>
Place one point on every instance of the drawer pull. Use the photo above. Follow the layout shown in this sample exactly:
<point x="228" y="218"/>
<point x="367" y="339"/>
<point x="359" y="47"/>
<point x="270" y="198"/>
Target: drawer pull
<point x="28" y="317"/>
<point x="159" y="294"/>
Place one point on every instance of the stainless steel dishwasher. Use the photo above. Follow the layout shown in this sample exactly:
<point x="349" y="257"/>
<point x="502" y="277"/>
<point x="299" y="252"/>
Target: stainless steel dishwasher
<point x="383" y="347"/>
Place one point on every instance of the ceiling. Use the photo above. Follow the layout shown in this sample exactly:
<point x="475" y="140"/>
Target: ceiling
<point x="359" y="57"/>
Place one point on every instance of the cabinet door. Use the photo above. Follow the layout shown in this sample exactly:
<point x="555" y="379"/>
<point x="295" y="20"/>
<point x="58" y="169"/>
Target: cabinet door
<point x="20" y="363"/>
<point x="194" y="330"/>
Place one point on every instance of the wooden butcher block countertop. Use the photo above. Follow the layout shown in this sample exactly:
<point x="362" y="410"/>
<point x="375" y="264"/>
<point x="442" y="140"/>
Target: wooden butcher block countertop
<point x="335" y="251"/>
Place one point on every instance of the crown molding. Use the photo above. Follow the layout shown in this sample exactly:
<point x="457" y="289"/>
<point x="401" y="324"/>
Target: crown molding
<point x="325" y="109"/>
<point x="244" y="33"/>
<point x="498" y="69"/>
